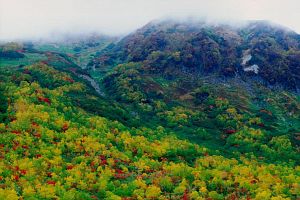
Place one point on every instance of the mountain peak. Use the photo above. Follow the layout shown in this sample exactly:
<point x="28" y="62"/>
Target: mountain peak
<point x="206" y="49"/>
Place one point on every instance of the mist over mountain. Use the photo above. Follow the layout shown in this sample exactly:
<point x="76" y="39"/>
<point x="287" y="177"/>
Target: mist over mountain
<point x="36" y="19"/>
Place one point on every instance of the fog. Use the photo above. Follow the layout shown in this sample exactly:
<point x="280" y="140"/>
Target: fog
<point x="34" y="19"/>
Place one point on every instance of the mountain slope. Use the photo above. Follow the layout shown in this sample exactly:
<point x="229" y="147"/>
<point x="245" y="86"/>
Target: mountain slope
<point x="50" y="148"/>
<point x="176" y="75"/>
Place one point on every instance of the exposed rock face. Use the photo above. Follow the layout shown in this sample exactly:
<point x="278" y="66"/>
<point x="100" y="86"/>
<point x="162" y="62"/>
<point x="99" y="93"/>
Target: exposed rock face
<point x="246" y="58"/>
<point x="252" y="68"/>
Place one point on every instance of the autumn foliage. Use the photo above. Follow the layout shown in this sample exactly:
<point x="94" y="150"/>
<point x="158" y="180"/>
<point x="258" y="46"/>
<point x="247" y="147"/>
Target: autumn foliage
<point x="56" y="150"/>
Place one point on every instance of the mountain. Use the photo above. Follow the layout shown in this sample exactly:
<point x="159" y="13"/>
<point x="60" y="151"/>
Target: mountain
<point x="175" y="110"/>
<point x="261" y="50"/>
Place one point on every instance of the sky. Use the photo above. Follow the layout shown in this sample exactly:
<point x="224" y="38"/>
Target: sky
<point x="28" y="19"/>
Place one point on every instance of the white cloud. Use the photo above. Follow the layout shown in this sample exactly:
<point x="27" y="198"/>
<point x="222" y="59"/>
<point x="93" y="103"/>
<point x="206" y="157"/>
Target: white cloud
<point x="21" y="19"/>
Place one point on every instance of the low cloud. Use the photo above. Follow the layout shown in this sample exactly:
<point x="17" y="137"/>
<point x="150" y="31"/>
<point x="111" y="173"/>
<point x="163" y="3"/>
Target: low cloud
<point x="45" y="18"/>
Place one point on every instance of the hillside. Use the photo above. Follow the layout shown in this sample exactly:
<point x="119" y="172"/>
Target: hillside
<point x="175" y="110"/>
